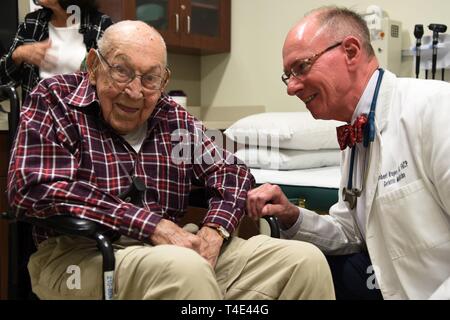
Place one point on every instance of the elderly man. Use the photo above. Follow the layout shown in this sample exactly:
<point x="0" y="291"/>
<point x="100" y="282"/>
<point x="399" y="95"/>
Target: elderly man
<point x="392" y="220"/>
<point x="85" y="137"/>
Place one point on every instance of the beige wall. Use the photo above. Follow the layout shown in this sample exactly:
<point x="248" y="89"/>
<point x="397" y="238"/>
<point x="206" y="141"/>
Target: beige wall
<point x="185" y="76"/>
<point x="250" y="75"/>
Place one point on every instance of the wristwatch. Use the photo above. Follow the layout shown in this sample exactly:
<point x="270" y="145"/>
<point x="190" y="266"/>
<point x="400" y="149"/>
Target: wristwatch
<point x="220" y="230"/>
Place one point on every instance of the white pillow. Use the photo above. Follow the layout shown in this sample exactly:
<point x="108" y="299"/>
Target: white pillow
<point x="279" y="159"/>
<point x="286" y="130"/>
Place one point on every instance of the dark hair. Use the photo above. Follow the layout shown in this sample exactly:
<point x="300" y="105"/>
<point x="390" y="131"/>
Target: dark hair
<point x="86" y="6"/>
<point x="347" y="22"/>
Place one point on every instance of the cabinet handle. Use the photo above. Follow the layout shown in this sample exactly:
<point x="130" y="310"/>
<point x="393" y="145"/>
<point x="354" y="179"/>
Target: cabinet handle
<point x="177" y="22"/>
<point x="188" y="24"/>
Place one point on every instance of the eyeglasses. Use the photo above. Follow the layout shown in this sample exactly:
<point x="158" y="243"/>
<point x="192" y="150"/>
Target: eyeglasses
<point x="124" y="75"/>
<point x="302" y="67"/>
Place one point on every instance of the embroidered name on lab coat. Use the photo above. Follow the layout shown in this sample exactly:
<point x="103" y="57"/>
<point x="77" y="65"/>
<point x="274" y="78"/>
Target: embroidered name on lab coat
<point x="393" y="176"/>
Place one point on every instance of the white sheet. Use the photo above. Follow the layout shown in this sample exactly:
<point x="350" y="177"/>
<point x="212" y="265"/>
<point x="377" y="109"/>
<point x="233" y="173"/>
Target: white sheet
<point x="326" y="177"/>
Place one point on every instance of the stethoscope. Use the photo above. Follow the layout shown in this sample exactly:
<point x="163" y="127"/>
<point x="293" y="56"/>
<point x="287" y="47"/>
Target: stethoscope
<point x="350" y="194"/>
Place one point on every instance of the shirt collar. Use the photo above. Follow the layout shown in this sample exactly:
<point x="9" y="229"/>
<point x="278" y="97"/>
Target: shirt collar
<point x="363" y="106"/>
<point x="84" y="95"/>
<point x="160" y="112"/>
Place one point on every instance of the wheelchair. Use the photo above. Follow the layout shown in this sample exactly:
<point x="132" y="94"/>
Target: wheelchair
<point x="75" y="226"/>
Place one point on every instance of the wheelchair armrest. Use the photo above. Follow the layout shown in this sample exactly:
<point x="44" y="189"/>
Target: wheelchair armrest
<point x="69" y="225"/>
<point x="274" y="226"/>
<point x="75" y="226"/>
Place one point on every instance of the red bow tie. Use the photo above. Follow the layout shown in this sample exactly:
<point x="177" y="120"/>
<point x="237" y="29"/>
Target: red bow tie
<point x="350" y="134"/>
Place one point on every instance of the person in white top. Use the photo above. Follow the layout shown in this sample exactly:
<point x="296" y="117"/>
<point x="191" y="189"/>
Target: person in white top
<point x="66" y="50"/>
<point x="52" y="40"/>
<point x="389" y="234"/>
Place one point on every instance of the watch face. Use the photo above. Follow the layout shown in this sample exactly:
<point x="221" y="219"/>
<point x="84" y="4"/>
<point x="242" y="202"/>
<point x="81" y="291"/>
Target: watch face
<point x="220" y="229"/>
<point x="225" y="234"/>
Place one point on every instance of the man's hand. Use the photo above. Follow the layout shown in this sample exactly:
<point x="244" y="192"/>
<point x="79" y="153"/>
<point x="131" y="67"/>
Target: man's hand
<point x="167" y="232"/>
<point x="268" y="200"/>
<point x="211" y="242"/>
<point x="35" y="54"/>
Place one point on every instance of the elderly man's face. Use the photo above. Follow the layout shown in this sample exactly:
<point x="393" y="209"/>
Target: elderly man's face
<point x="127" y="105"/>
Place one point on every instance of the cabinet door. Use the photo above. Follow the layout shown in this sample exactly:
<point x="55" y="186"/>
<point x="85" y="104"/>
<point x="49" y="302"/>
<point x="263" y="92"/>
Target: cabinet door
<point x="189" y="26"/>
<point x="205" y="25"/>
<point x="162" y="15"/>
<point x="118" y="9"/>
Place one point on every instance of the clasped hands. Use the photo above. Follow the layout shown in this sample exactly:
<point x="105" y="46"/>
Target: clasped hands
<point x="207" y="242"/>
<point x="262" y="201"/>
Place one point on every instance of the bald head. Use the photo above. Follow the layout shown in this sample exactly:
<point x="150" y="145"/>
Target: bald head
<point x="332" y="24"/>
<point x="328" y="61"/>
<point x="129" y="33"/>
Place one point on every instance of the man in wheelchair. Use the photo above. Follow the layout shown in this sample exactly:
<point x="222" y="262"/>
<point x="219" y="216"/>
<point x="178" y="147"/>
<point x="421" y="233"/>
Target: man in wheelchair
<point x="86" y="139"/>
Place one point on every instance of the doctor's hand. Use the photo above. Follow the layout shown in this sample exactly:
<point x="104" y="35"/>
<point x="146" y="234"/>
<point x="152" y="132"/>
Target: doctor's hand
<point x="269" y="200"/>
<point x="167" y="232"/>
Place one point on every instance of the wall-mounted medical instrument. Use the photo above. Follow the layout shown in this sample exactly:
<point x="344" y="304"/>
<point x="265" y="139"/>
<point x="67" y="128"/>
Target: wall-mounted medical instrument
<point x="436" y="28"/>
<point x="385" y="35"/>
<point x="434" y="50"/>
<point x="418" y="34"/>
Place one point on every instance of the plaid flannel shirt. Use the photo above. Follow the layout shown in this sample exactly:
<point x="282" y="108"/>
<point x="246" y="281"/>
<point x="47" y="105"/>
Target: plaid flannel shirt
<point x="35" y="29"/>
<point x="67" y="160"/>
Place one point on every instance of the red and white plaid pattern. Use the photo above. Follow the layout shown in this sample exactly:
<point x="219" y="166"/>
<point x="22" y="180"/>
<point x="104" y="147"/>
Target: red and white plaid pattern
<point x="66" y="160"/>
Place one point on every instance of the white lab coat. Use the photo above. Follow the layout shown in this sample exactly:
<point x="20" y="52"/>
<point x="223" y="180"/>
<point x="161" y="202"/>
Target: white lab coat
<point x="407" y="194"/>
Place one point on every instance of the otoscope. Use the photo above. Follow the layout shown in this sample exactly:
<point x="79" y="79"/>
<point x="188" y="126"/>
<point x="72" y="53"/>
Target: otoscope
<point x="436" y="28"/>
<point x="418" y="33"/>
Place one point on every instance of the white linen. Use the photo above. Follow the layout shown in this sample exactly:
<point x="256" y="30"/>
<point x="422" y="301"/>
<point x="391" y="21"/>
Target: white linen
<point x="286" y="130"/>
<point x="284" y="159"/>
<point x="327" y="177"/>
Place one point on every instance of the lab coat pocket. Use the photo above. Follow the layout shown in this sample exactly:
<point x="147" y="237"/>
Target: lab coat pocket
<point x="411" y="220"/>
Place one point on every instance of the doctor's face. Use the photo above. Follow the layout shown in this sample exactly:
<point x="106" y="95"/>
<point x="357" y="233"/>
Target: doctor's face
<point x="314" y="64"/>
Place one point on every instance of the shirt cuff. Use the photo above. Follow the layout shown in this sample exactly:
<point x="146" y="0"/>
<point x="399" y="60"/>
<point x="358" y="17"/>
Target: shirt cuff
<point x="139" y="223"/>
<point x="292" y="231"/>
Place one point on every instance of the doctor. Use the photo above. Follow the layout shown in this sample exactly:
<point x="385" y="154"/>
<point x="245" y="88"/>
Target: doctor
<point x="392" y="221"/>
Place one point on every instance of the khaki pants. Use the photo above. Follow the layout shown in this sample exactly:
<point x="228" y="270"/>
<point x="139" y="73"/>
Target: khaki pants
<point x="258" y="268"/>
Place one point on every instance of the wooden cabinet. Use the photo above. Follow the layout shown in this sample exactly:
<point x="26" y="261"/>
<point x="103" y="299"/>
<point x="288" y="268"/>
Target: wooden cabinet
<point x="188" y="26"/>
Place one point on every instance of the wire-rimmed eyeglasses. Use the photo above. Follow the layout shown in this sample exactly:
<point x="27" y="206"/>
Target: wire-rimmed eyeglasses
<point x="301" y="67"/>
<point x="124" y="75"/>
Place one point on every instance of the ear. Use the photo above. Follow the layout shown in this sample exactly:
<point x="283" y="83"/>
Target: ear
<point x="353" y="51"/>
<point x="92" y="64"/>
<point x="166" y="79"/>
